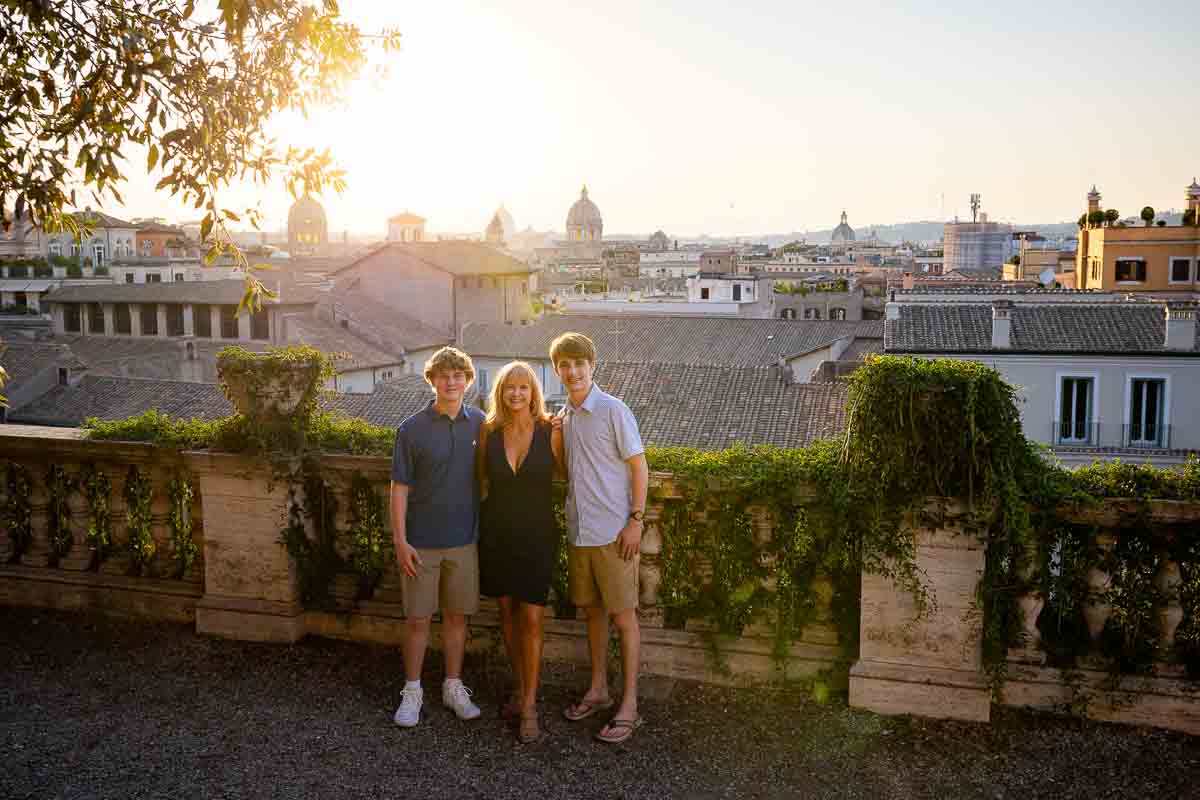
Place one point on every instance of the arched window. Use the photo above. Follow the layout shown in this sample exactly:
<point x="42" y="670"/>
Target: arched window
<point x="787" y="313"/>
<point x="837" y="313"/>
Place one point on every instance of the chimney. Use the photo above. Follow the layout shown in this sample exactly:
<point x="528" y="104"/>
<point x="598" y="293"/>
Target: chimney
<point x="1002" y="324"/>
<point x="891" y="310"/>
<point x="907" y="281"/>
<point x="1181" y="326"/>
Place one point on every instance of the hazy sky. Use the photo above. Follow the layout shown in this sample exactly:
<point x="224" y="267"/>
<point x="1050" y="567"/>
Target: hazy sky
<point x="698" y="117"/>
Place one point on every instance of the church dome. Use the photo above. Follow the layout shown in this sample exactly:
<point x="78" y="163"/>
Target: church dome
<point x="583" y="220"/>
<point x="307" y="226"/>
<point x="842" y="233"/>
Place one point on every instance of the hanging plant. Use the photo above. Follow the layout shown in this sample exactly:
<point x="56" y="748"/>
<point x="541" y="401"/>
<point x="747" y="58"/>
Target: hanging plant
<point x="317" y="562"/>
<point x="138" y="494"/>
<point x="97" y="488"/>
<point x="368" y="533"/>
<point x="58" y="511"/>
<point x="18" y="513"/>
<point x="183" y="546"/>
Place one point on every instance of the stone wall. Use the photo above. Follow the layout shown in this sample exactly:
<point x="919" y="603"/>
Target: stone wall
<point x="244" y="585"/>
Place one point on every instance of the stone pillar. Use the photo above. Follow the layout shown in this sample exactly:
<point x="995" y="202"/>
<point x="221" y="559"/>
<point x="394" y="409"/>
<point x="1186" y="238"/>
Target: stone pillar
<point x="60" y="320"/>
<point x="649" y="568"/>
<point x="1170" y="614"/>
<point x="244" y="327"/>
<point x="1031" y="601"/>
<point x="135" y="319"/>
<point x="79" y="557"/>
<point x="214" y="321"/>
<point x="250" y="584"/>
<point x="162" y="320"/>
<point x="189" y="322"/>
<point x="110" y="319"/>
<point x="928" y="665"/>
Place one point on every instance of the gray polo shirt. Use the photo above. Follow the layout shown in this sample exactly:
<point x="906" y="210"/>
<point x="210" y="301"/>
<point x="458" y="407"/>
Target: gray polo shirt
<point x="434" y="456"/>
<point x="599" y="435"/>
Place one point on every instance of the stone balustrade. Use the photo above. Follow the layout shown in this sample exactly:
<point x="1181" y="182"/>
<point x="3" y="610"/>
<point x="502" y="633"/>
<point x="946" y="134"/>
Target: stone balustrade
<point x="55" y="486"/>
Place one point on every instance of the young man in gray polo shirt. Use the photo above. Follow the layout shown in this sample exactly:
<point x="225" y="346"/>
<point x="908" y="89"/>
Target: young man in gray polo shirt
<point x="606" y="499"/>
<point x="435" y="510"/>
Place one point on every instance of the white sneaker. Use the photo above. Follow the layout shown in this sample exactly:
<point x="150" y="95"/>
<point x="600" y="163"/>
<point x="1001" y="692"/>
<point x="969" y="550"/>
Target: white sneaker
<point x="409" y="712"/>
<point x="458" y="697"/>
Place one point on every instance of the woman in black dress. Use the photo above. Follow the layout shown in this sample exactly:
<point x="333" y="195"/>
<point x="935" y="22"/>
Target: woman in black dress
<point x="518" y="541"/>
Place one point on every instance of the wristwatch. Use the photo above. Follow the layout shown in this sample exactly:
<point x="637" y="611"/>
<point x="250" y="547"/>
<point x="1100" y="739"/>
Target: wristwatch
<point x="637" y="515"/>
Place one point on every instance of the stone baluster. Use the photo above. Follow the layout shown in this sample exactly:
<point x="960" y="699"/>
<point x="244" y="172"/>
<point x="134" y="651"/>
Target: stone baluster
<point x="1097" y="609"/>
<point x="163" y="565"/>
<point x="762" y="530"/>
<point x="1170" y="614"/>
<point x="40" y="552"/>
<point x="79" y="558"/>
<point x="1031" y="601"/>
<point x="650" y="567"/>
<point x="6" y="546"/>
<point x="118" y="561"/>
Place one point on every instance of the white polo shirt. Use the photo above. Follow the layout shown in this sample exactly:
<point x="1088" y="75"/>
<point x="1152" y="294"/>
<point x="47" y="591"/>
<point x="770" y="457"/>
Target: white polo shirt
<point x="600" y="435"/>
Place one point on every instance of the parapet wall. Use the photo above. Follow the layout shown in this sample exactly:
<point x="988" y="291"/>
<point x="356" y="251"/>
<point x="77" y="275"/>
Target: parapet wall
<point x="242" y="583"/>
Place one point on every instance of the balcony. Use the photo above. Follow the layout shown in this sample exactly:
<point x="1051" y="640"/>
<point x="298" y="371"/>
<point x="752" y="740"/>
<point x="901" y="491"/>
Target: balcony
<point x="1095" y="435"/>
<point x="203" y="537"/>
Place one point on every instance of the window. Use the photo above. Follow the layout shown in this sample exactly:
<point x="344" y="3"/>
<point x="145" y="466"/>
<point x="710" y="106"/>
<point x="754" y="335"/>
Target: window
<point x="1181" y="270"/>
<point x="808" y="313"/>
<point x="149" y="319"/>
<point x="787" y="313"/>
<point x="704" y="293"/>
<point x="737" y="291"/>
<point x="1075" y="411"/>
<point x="229" y="322"/>
<point x="202" y="321"/>
<point x="482" y="378"/>
<point x="129" y="277"/>
<point x="20" y="299"/>
<point x="71" y="318"/>
<point x="178" y="277"/>
<point x="1130" y="270"/>
<point x="1147" y="398"/>
<point x="837" y="313"/>
<point x="64" y="376"/>
<point x="121" y="319"/>
<point x="153" y="277"/>
<point x="146" y="248"/>
<point x="95" y="318"/>
<point x="260" y="325"/>
<point x="174" y="319"/>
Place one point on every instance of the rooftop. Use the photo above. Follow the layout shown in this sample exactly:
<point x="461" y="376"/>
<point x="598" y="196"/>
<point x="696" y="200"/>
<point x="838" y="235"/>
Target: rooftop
<point x="1067" y="328"/>
<point x="222" y="292"/>
<point x="727" y="341"/>
<point x="453" y="257"/>
<point x="377" y="322"/>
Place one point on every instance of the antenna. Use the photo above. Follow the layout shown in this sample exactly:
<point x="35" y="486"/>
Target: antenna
<point x="975" y="208"/>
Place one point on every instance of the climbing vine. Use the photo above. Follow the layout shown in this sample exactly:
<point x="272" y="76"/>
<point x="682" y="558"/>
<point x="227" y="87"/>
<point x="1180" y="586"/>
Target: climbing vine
<point x="369" y="534"/>
<point x="59" y="484"/>
<point x="97" y="488"/>
<point x="179" y="520"/>
<point x="138" y="494"/>
<point x="317" y="560"/>
<point x="18" y="513"/>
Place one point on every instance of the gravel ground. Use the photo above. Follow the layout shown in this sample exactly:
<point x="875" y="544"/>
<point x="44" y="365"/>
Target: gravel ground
<point x="92" y="707"/>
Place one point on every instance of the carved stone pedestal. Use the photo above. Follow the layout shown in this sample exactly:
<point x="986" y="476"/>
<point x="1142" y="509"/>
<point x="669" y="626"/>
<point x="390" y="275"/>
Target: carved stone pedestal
<point x="930" y="666"/>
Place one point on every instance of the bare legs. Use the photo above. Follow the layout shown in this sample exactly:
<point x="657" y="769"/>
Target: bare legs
<point x="454" y="643"/>
<point x="630" y="633"/>
<point x="521" y="628"/>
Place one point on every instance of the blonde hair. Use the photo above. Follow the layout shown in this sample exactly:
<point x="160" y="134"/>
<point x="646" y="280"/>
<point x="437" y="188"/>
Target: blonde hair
<point x="572" y="345"/>
<point x="449" y="359"/>
<point x="498" y="413"/>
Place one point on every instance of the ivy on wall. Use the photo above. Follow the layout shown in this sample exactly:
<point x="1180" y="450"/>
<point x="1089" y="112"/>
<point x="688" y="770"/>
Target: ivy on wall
<point x="369" y="534"/>
<point x="97" y="488"/>
<point x="58" y="511"/>
<point x="18" y="513"/>
<point x="139" y="492"/>
<point x="179" y="521"/>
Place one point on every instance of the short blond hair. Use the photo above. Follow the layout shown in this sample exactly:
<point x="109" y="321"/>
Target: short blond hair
<point x="498" y="413"/>
<point x="449" y="359"/>
<point x="572" y="345"/>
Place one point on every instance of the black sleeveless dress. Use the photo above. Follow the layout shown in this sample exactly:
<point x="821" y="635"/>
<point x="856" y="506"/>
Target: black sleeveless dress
<point x="518" y="543"/>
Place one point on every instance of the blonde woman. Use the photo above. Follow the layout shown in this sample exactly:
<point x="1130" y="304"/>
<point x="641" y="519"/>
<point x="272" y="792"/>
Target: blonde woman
<point x="518" y="542"/>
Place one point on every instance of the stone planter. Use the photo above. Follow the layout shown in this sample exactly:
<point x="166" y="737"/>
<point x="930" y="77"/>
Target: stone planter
<point x="269" y="390"/>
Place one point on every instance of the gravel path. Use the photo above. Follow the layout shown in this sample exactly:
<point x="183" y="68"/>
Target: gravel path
<point x="96" y="708"/>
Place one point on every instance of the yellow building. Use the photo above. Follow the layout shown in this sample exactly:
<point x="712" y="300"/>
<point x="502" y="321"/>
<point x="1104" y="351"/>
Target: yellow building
<point x="1137" y="258"/>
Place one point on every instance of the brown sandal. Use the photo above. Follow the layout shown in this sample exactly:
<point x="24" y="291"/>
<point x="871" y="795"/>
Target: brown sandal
<point x="529" y="732"/>
<point x="584" y="709"/>
<point x="623" y="728"/>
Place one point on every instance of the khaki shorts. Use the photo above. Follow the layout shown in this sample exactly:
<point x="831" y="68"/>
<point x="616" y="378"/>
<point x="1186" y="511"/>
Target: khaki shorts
<point x="446" y="579"/>
<point x="598" y="576"/>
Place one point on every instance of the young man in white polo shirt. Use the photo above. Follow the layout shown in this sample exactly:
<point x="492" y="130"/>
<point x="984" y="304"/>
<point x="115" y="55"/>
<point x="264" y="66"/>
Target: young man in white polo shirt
<point x="606" y="500"/>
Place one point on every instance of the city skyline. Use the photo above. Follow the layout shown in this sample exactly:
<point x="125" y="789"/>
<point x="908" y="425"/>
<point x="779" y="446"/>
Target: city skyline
<point x="704" y="119"/>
